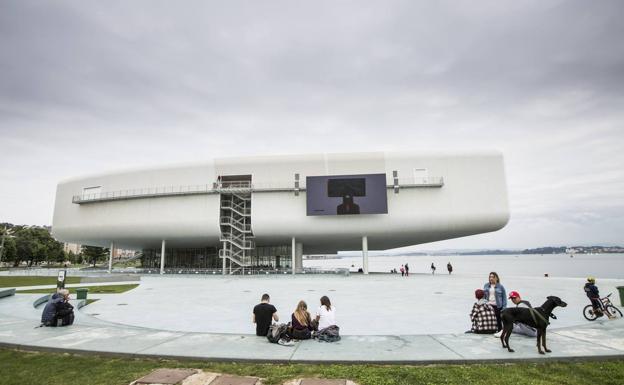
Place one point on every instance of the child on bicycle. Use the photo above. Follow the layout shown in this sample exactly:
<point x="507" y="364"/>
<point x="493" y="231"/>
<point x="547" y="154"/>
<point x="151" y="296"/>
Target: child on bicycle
<point x="591" y="290"/>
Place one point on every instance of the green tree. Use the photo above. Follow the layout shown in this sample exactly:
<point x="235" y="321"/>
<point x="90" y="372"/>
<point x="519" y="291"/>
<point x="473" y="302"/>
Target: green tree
<point x="26" y="246"/>
<point x="93" y="254"/>
<point x="10" y="250"/>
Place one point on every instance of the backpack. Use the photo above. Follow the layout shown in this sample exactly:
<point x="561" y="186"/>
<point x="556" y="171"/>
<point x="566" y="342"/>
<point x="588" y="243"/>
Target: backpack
<point x="329" y="334"/>
<point x="277" y="331"/>
<point x="64" y="314"/>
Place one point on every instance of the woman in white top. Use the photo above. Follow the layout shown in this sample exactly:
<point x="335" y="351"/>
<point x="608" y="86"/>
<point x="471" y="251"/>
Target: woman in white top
<point x="326" y="314"/>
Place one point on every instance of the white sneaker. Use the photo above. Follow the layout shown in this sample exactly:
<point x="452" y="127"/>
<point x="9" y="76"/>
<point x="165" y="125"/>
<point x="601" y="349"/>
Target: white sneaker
<point x="498" y="334"/>
<point x="285" y="342"/>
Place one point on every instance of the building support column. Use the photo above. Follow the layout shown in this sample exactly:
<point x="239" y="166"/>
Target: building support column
<point x="365" y="254"/>
<point x="298" y="257"/>
<point x="162" y="257"/>
<point x="110" y="257"/>
<point x="224" y="257"/>
<point x="293" y="254"/>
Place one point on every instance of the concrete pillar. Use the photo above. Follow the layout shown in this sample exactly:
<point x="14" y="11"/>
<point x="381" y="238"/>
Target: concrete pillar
<point x="110" y="257"/>
<point x="162" y="257"/>
<point x="365" y="254"/>
<point x="293" y="249"/>
<point x="224" y="254"/>
<point x="298" y="257"/>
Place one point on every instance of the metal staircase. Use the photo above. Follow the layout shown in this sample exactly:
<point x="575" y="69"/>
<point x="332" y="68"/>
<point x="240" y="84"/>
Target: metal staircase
<point x="235" y="222"/>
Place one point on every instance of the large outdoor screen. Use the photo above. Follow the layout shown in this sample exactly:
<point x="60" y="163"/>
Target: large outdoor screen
<point x="346" y="194"/>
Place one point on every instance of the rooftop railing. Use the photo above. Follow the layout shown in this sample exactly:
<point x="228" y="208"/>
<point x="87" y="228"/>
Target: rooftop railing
<point x="217" y="188"/>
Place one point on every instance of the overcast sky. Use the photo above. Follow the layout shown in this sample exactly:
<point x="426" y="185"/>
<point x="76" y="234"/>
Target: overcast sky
<point x="94" y="86"/>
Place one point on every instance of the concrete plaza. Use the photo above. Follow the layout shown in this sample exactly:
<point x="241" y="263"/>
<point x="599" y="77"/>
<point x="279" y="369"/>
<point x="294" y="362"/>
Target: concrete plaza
<point x="380" y="304"/>
<point x="19" y="321"/>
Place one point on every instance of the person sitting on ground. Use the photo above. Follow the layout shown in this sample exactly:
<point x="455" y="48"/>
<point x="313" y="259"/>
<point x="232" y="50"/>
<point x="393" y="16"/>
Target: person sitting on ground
<point x="58" y="311"/>
<point x="482" y="316"/>
<point x="301" y="322"/>
<point x="65" y="310"/>
<point x="48" y="317"/>
<point x="326" y="314"/>
<point x="519" y="327"/>
<point x="263" y="314"/>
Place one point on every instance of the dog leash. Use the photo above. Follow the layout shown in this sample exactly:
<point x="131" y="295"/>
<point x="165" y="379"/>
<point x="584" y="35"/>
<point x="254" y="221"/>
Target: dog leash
<point x="534" y="312"/>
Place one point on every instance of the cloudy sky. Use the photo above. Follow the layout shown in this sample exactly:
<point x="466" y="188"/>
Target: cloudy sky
<point x="93" y="86"/>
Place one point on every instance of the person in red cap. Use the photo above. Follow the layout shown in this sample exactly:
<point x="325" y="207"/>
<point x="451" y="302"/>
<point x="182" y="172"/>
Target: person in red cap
<point x="520" y="328"/>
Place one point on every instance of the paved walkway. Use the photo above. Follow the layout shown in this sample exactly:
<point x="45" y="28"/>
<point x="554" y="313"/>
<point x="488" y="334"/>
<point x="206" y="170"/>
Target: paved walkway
<point x="70" y="285"/>
<point x="19" y="321"/>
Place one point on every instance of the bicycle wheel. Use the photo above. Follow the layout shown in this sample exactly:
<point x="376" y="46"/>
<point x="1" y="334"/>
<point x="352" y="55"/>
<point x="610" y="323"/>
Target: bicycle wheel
<point x="588" y="313"/>
<point x="614" y="311"/>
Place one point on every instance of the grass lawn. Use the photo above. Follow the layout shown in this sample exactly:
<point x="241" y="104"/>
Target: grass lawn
<point x="19" y="367"/>
<point x="17" y="281"/>
<point x="111" y="289"/>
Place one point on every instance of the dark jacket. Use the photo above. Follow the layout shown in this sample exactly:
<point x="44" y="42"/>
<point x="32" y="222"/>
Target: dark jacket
<point x="591" y="290"/>
<point x="49" y="311"/>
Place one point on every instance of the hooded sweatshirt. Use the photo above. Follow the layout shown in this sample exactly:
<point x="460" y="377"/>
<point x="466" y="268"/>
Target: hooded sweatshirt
<point x="49" y="311"/>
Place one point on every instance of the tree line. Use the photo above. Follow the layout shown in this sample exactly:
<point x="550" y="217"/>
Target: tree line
<point x="34" y="245"/>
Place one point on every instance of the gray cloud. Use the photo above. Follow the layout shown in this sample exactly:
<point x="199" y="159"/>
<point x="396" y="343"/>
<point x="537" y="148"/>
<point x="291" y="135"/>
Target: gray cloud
<point x="89" y="86"/>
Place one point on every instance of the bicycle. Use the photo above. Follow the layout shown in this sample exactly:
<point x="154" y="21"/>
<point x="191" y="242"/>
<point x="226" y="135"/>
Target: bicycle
<point x="609" y="308"/>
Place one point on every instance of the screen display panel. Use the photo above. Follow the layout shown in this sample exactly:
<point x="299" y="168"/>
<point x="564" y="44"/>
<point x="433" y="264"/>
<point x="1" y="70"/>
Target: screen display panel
<point x="346" y="194"/>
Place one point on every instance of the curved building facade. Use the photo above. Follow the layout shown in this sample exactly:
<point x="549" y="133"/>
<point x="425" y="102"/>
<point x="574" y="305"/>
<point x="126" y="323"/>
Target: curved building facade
<point x="241" y="213"/>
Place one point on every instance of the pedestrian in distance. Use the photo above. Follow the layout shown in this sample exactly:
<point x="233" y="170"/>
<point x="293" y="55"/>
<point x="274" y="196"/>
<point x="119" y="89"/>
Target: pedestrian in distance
<point x="402" y="271"/>
<point x="406" y="270"/>
<point x="449" y="267"/>
<point x="433" y="268"/>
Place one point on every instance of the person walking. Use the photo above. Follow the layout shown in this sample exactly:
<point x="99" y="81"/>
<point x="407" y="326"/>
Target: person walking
<point x="402" y="271"/>
<point x="496" y="296"/>
<point x="433" y="268"/>
<point x="406" y="270"/>
<point x="449" y="267"/>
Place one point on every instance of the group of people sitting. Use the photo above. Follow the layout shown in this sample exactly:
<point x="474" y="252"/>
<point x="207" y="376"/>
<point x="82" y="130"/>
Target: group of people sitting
<point x="491" y="300"/>
<point x="302" y="325"/>
<point x="58" y="311"/>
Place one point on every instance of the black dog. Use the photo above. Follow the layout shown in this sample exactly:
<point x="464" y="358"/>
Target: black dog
<point x="536" y="317"/>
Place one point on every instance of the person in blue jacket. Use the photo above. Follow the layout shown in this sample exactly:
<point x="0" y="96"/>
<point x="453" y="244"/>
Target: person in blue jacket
<point x="496" y="295"/>
<point x="591" y="290"/>
<point x="48" y="317"/>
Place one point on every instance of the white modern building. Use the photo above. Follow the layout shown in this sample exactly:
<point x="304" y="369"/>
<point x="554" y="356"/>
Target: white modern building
<point x="265" y="212"/>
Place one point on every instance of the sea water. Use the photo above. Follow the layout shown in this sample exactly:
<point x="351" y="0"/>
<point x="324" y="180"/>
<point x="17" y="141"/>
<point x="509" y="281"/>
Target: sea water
<point x="531" y="265"/>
